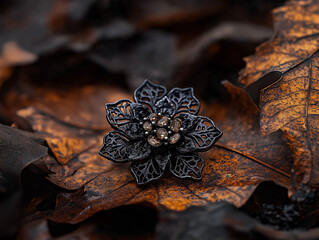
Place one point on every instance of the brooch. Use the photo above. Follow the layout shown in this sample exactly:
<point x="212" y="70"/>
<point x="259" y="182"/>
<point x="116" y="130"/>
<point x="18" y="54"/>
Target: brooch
<point x="159" y="131"/>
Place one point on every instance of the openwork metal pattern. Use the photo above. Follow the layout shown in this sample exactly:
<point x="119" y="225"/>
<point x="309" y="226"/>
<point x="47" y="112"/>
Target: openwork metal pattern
<point x="159" y="131"/>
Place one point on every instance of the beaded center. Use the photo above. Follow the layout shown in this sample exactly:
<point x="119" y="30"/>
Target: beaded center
<point x="161" y="129"/>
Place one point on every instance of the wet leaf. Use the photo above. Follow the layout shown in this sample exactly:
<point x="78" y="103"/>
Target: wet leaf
<point x="233" y="168"/>
<point x="291" y="104"/>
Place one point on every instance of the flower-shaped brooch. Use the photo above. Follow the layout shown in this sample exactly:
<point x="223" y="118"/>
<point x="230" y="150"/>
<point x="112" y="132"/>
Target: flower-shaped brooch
<point x="159" y="131"/>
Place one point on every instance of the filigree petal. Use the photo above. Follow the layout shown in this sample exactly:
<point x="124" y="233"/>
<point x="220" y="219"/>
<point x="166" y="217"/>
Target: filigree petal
<point x="150" y="169"/>
<point x="162" y="157"/>
<point x="164" y="106"/>
<point x="187" y="166"/>
<point x="188" y="121"/>
<point x="149" y="93"/>
<point x="120" y="117"/>
<point x="117" y="148"/>
<point x="118" y="113"/>
<point x="184" y="100"/>
<point x="205" y="134"/>
<point x="200" y="137"/>
<point x="186" y="145"/>
<point x="139" y="111"/>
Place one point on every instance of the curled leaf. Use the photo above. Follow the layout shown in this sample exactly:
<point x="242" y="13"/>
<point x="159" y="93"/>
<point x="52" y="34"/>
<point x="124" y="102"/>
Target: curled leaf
<point x="290" y="104"/>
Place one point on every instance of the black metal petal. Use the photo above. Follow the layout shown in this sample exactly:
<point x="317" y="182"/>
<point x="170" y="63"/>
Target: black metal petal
<point x="150" y="169"/>
<point x="202" y="137"/>
<point x="120" y="117"/>
<point x="117" y="148"/>
<point x="184" y="100"/>
<point x="149" y="93"/>
<point x="187" y="166"/>
<point x="164" y="106"/>
<point x="188" y="121"/>
<point x="186" y="145"/>
<point x="139" y="111"/>
<point x="184" y="137"/>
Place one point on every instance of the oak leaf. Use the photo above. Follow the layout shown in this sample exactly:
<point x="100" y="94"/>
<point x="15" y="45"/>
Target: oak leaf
<point x="233" y="169"/>
<point x="291" y="103"/>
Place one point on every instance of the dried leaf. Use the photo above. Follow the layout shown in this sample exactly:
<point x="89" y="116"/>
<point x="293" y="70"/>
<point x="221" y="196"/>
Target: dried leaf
<point x="11" y="213"/>
<point x="139" y="58"/>
<point x="291" y="104"/>
<point x="12" y="54"/>
<point x="221" y="221"/>
<point x="146" y="14"/>
<point x="124" y="223"/>
<point x="75" y="107"/>
<point x="234" y="168"/>
<point x="39" y="29"/>
<point x="225" y="31"/>
<point x="18" y="149"/>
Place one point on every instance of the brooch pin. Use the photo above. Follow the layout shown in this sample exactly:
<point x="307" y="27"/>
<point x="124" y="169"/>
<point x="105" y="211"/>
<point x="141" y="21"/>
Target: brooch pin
<point x="159" y="131"/>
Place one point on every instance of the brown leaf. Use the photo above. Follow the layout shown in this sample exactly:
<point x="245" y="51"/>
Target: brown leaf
<point x="139" y="58"/>
<point x="76" y="107"/>
<point x="125" y="223"/>
<point x="146" y="14"/>
<point x="18" y="149"/>
<point x="41" y="28"/>
<point x="234" y="168"/>
<point x="232" y="31"/>
<point x="221" y="221"/>
<point x="291" y="104"/>
<point x="12" y="54"/>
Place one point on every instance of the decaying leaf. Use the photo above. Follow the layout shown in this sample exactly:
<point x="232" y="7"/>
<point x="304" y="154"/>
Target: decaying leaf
<point x="233" y="168"/>
<point x="291" y="103"/>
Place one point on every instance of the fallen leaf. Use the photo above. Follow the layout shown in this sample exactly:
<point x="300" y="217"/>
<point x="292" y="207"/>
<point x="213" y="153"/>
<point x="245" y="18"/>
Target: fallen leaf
<point x="139" y="58"/>
<point x="11" y="214"/>
<point x="146" y="14"/>
<point x="12" y="54"/>
<point x="232" y="31"/>
<point x="18" y="149"/>
<point x="75" y="107"/>
<point x="124" y="223"/>
<point x="291" y="104"/>
<point x="234" y="167"/>
<point x="221" y="221"/>
<point x="211" y="50"/>
<point x="32" y="29"/>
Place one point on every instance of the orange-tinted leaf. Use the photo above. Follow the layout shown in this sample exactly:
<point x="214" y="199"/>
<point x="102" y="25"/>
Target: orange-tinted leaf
<point x="82" y="107"/>
<point x="13" y="54"/>
<point x="72" y="147"/>
<point x="291" y="103"/>
<point x="295" y="40"/>
<point x="233" y="168"/>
